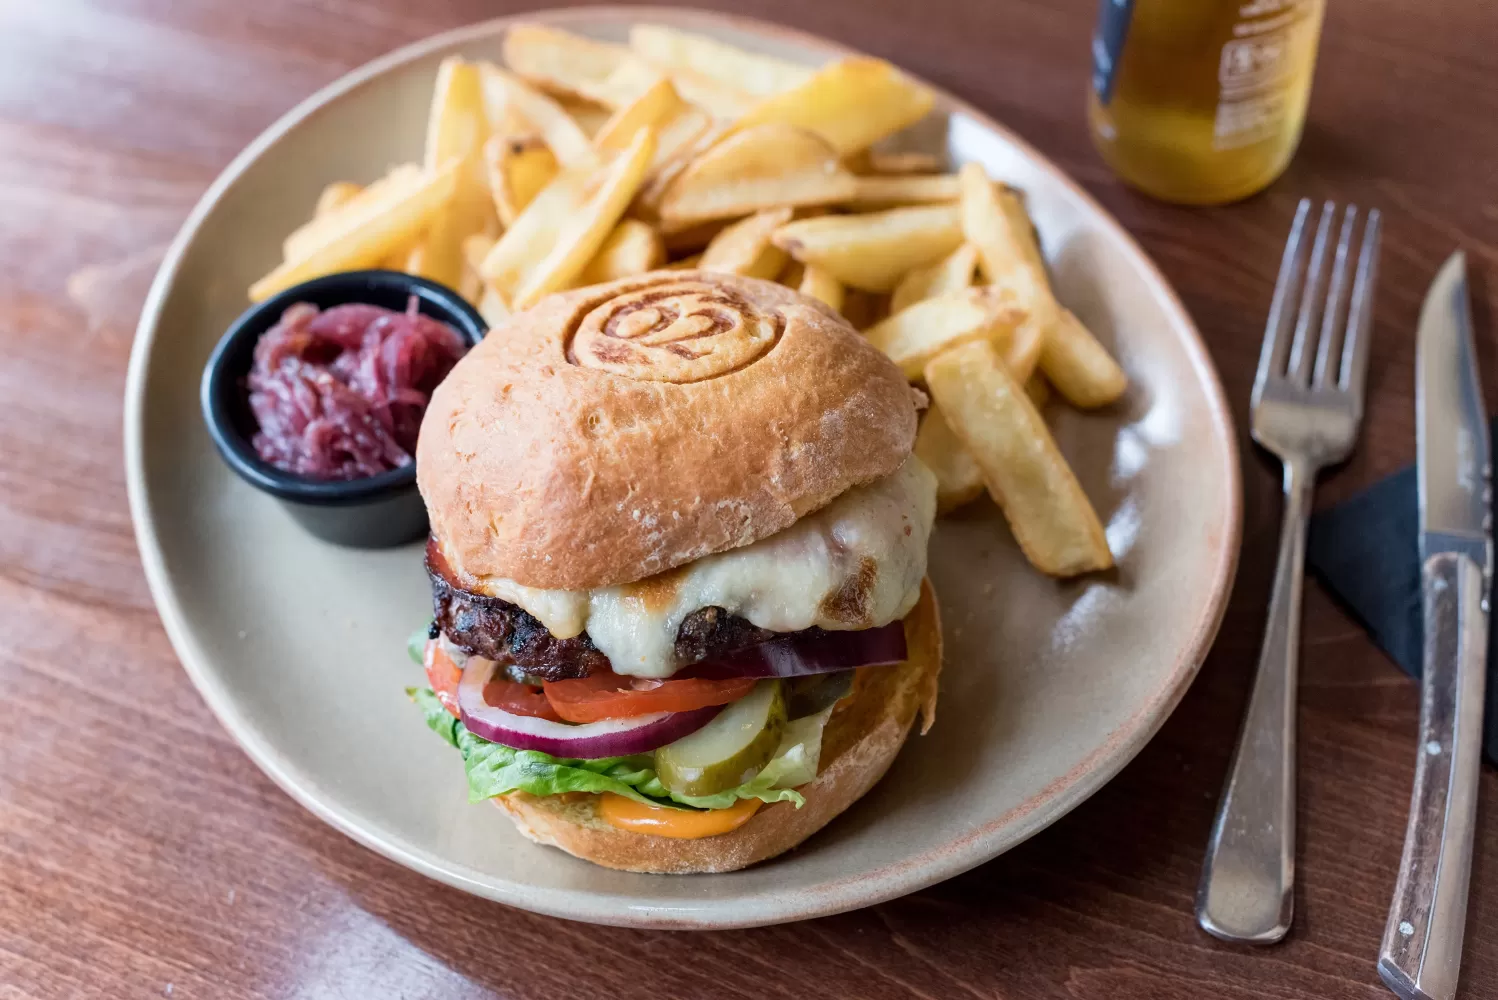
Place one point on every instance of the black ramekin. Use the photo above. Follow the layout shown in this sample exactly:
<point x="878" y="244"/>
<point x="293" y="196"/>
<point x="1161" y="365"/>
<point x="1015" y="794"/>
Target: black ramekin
<point x="374" y="512"/>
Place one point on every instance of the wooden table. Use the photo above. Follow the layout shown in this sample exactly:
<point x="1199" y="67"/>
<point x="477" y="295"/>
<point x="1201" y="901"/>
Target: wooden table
<point x="141" y="854"/>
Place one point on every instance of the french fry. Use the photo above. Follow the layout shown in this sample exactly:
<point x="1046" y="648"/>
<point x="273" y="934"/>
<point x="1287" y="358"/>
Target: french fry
<point x="607" y="194"/>
<point x="656" y="106"/>
<point x="581" y="67"/>
<point x="492" y="306"/>
<point x="792" y="274"/>
<point x="745" y="247"/>
<point x="1079" y="367"/>
<point x="822" y="286"/>
<point x="914" y="189"/>
<point x="913" y="336"/>
<point x="1022" y="352"/>
<point x="717" y="99"/>
<point x="1039" y="391"/>
<point x="533" y="232"/>
<point x="874" y="250"/>
<point x="634" y="247"/>
<point x="1003" y="257"/>
<point x="506" y="95"/>
<point x="364" y="236"/>
<point x="456" y="129"/>
<point x="851" y="103"/>
<point x="958" y="479"/>
<point x="519" y="168"/>
<point x="950" y="274"/>
<point x="875" y="162"/>
<point x="669" y="49"/>
<point x="1051" y="517"/>
<point x="401" y="179"/>
<point x="335" y="196"/>
<point x="756" y="169"/>
<point x="1074" y="362"/>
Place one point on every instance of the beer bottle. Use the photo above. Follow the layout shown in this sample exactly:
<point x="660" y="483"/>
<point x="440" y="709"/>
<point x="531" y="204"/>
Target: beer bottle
<point x="1201" y="102"/>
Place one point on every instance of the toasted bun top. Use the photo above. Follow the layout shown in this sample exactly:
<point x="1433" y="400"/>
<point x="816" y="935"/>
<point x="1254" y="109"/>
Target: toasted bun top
<point x="615" y="432"/>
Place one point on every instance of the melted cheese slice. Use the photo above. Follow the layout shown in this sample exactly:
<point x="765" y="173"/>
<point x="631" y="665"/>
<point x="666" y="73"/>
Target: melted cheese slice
<point x="855" y="564"/>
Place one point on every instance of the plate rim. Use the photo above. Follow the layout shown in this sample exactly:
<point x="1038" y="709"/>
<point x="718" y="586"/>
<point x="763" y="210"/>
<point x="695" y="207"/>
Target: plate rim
<point x="864" y="888"/>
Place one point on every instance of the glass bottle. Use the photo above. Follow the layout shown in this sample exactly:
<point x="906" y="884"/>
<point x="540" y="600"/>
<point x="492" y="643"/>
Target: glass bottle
<point x="1202" y="102"/>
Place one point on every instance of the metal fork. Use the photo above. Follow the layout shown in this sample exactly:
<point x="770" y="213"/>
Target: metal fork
<point x="1307" y="405"/>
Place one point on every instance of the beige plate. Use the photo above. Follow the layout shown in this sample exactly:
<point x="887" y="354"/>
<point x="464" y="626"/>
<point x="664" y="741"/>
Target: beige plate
<point x="1049" y="689"/>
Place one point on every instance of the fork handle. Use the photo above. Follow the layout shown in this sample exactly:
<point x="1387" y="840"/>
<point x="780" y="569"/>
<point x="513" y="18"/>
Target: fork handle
<point x="1422" y="948"/>
<point x="1248" y="880"/>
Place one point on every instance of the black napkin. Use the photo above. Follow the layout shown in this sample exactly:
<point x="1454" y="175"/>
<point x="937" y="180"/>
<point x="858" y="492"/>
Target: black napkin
<point x="1366" y="551"/>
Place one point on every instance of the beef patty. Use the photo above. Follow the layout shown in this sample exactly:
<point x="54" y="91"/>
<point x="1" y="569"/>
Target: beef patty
<point x="498" y="630"/>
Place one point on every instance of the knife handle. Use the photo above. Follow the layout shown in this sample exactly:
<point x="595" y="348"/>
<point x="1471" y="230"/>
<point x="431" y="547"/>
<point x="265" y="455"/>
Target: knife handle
<point x="1422" y="948"/>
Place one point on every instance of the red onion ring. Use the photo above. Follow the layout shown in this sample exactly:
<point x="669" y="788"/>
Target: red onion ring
<point x="610" y="738"/>
<point x="797" y="656"/>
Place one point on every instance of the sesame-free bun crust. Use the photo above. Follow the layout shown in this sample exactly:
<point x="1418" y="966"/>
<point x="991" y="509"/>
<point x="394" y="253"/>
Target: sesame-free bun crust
<point x="618" y="431"/>
<point x="858" y="745"/>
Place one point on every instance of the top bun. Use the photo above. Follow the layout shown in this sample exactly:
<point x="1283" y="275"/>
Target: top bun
<point x="621" y="430"/>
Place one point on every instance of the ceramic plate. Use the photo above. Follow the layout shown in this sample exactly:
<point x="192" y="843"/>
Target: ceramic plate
<point x="1049" y="688"/>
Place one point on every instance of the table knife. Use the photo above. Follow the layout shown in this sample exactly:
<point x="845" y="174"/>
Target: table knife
<point x="1422" y="946"/>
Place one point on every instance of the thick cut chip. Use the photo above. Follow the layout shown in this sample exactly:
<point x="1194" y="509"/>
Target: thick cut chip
<point x="1078" y="366"/>
<point x="507" y="97"/>
<point x="873" y="251"/>
<point x="590" y="117"/>
<point x="605" y="196"/>
<point x="958" y="478"/>
<point x="1051" y="517"/>
<point x="519" y="168"/>
<point x="456" y="129"/>
<point x="672" y="50"/>
<point x="757" y="169"/>
<point x="952" y="273"/>
<point x="656" y="106"/>
<point x="913" y="336"/>
<point x="821" y="285"/>
<point x="1073" y="360"/>
<point x="874" y="162"/>
<point x="399" y="180"/>
<point x="581" y="67"/>
<point x="915" y="189"/>
<point x="852" y="103"/>
<point x="745" y="247"/>
<point x="366" y="231"/>
<point x="634" y="247"/>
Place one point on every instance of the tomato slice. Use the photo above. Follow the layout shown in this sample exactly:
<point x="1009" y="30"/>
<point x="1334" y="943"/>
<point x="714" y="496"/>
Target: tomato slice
<point x="614" y="696"/>
<point x="519" y="699"/>
<point x="443" y="675"/>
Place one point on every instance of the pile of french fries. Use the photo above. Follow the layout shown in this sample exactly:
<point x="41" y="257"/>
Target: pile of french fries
<point x="580" y="162"/>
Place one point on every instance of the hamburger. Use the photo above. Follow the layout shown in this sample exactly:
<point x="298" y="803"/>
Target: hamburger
<point x="677" y="558"/>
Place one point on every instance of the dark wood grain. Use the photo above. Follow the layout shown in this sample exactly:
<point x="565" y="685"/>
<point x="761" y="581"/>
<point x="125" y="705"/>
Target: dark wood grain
<point x="141" y="854"/>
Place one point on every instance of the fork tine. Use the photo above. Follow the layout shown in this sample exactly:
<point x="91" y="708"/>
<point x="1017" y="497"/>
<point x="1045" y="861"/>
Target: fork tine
<point x="1312" y="299"/>
<point x="1329" y="350"/>
<point x="1276" y="344"/>
<point x="1360" y="312"/>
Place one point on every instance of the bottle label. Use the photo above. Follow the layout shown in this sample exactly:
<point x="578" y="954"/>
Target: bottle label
<point x="1107" y="45"/>
<point x="1257" y="67"/>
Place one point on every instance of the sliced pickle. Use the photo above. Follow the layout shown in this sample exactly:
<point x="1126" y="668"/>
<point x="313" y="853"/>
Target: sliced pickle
<point x="728" y="751"/>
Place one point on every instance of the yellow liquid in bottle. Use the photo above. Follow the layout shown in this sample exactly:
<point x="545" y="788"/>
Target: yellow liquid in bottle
<point x="1204" y="101"/>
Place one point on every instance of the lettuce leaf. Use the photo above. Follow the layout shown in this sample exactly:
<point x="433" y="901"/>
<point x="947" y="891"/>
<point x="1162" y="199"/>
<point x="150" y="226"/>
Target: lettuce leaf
<point x="494" y="769"/>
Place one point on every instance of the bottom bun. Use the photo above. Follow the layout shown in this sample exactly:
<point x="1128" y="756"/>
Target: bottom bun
<point x="861" y="739"/>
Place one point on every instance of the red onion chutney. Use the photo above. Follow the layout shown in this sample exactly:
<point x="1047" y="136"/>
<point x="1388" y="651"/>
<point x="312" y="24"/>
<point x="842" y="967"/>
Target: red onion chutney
<point x="338" y="394"/>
